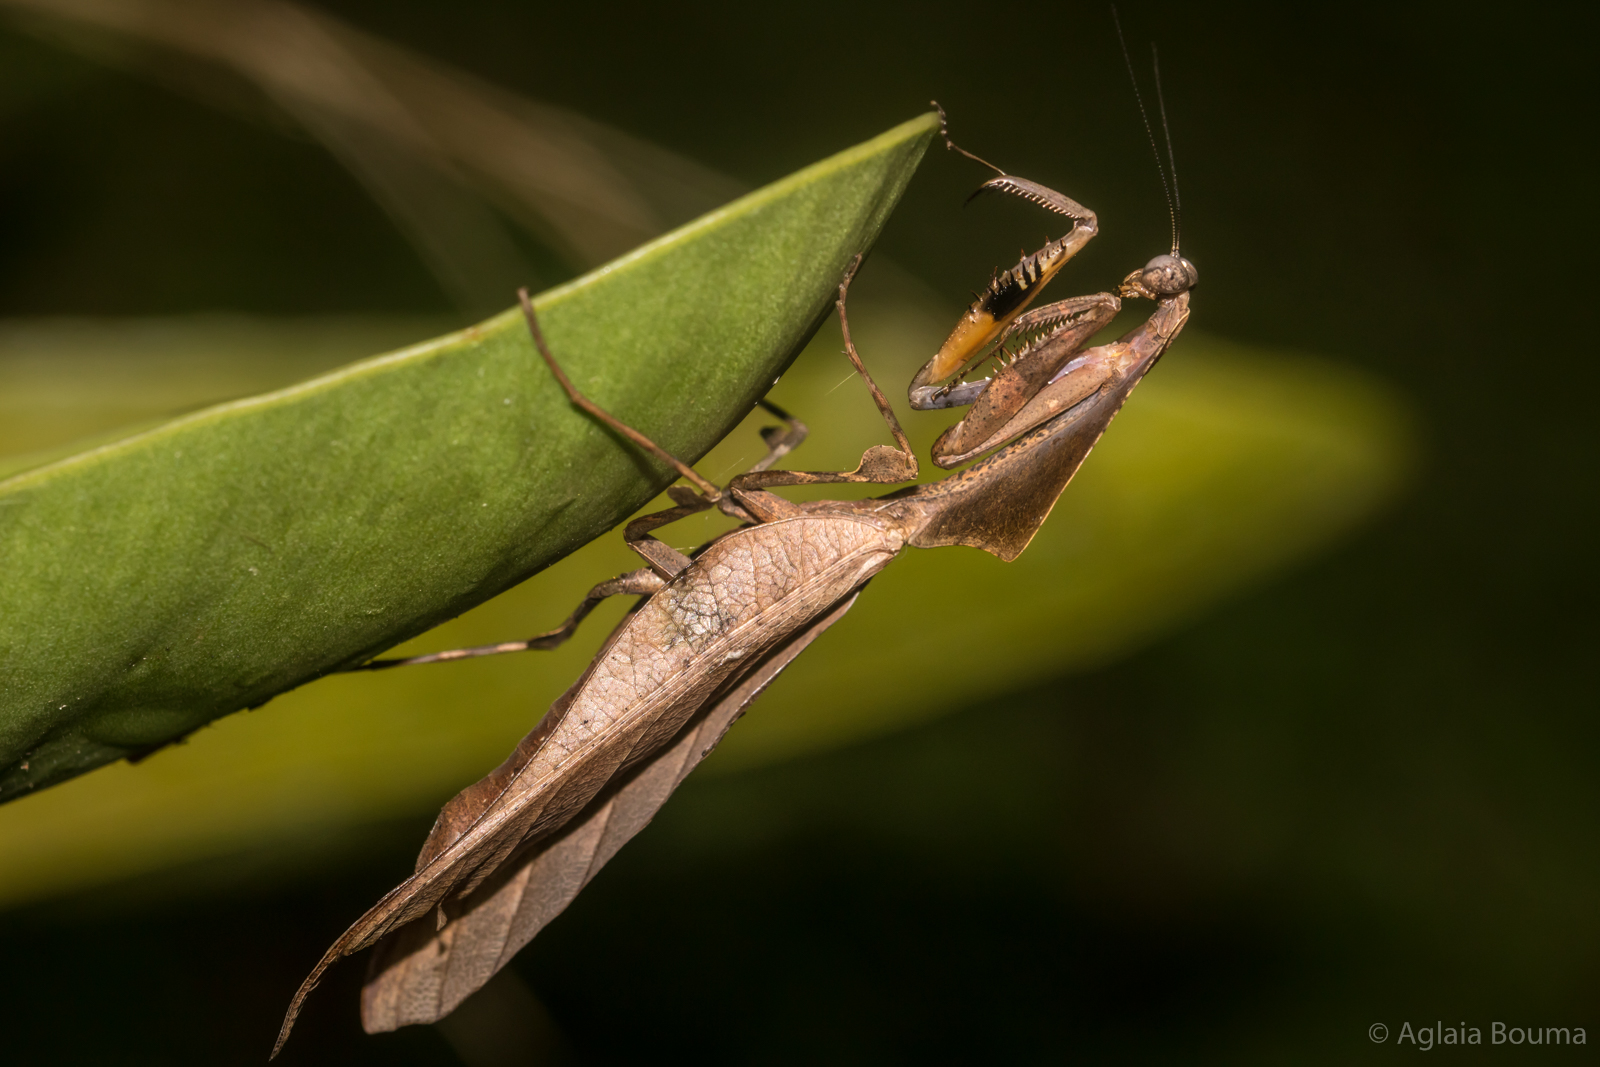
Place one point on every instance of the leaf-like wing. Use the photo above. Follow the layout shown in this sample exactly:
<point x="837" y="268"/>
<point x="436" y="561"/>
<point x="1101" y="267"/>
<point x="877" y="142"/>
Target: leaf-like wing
<point x="419" y="974"/>
<point x="745" y="598"/>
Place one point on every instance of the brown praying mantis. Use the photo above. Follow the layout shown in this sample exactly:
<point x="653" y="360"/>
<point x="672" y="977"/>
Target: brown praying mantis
<point x="712" y="630"/>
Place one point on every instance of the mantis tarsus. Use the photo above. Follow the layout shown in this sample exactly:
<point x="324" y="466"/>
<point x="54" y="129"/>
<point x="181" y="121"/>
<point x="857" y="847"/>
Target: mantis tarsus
<point x="509" y="853"/>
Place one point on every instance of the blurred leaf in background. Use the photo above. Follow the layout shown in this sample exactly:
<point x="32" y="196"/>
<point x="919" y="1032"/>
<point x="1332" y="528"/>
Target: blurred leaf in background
<point x="456" y="163"/>
<point x="1233" y="463"/>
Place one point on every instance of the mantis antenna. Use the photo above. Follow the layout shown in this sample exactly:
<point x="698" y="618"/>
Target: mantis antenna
<point x="1172" y="162"/>
<point x="1166" y="187"/>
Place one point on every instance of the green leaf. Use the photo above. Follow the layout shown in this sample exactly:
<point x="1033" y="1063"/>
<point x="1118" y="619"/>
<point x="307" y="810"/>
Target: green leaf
<point x="207" y="565"/>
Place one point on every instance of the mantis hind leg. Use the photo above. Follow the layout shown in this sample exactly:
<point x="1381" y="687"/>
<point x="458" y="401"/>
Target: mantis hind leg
<point x="641" y="582"/>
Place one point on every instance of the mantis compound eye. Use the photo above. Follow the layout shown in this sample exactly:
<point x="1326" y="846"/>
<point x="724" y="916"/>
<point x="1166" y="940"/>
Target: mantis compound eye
<point x="1166" y="275"/>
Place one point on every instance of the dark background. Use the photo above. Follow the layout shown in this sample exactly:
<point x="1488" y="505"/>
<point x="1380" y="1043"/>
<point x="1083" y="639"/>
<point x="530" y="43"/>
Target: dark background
<point x="1365" y="792"/>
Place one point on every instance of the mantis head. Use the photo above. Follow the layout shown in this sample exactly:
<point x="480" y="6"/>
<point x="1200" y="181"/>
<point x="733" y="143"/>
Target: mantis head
<point x="1165" y="276"/>
<point x="1171" y="275"/>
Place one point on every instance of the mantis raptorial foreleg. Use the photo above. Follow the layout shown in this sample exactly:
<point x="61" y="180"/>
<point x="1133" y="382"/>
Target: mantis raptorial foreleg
<point x="1009" y="292"/>
<point x="1033" y="348"/>
<point x="1059" y="332"/>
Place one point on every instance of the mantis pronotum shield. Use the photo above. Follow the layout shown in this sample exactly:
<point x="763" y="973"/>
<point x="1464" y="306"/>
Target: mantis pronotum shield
<point x="511" y="852"/>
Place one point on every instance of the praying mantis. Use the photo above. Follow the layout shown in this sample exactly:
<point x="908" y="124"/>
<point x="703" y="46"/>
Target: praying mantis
<point x="712" y="630"/>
